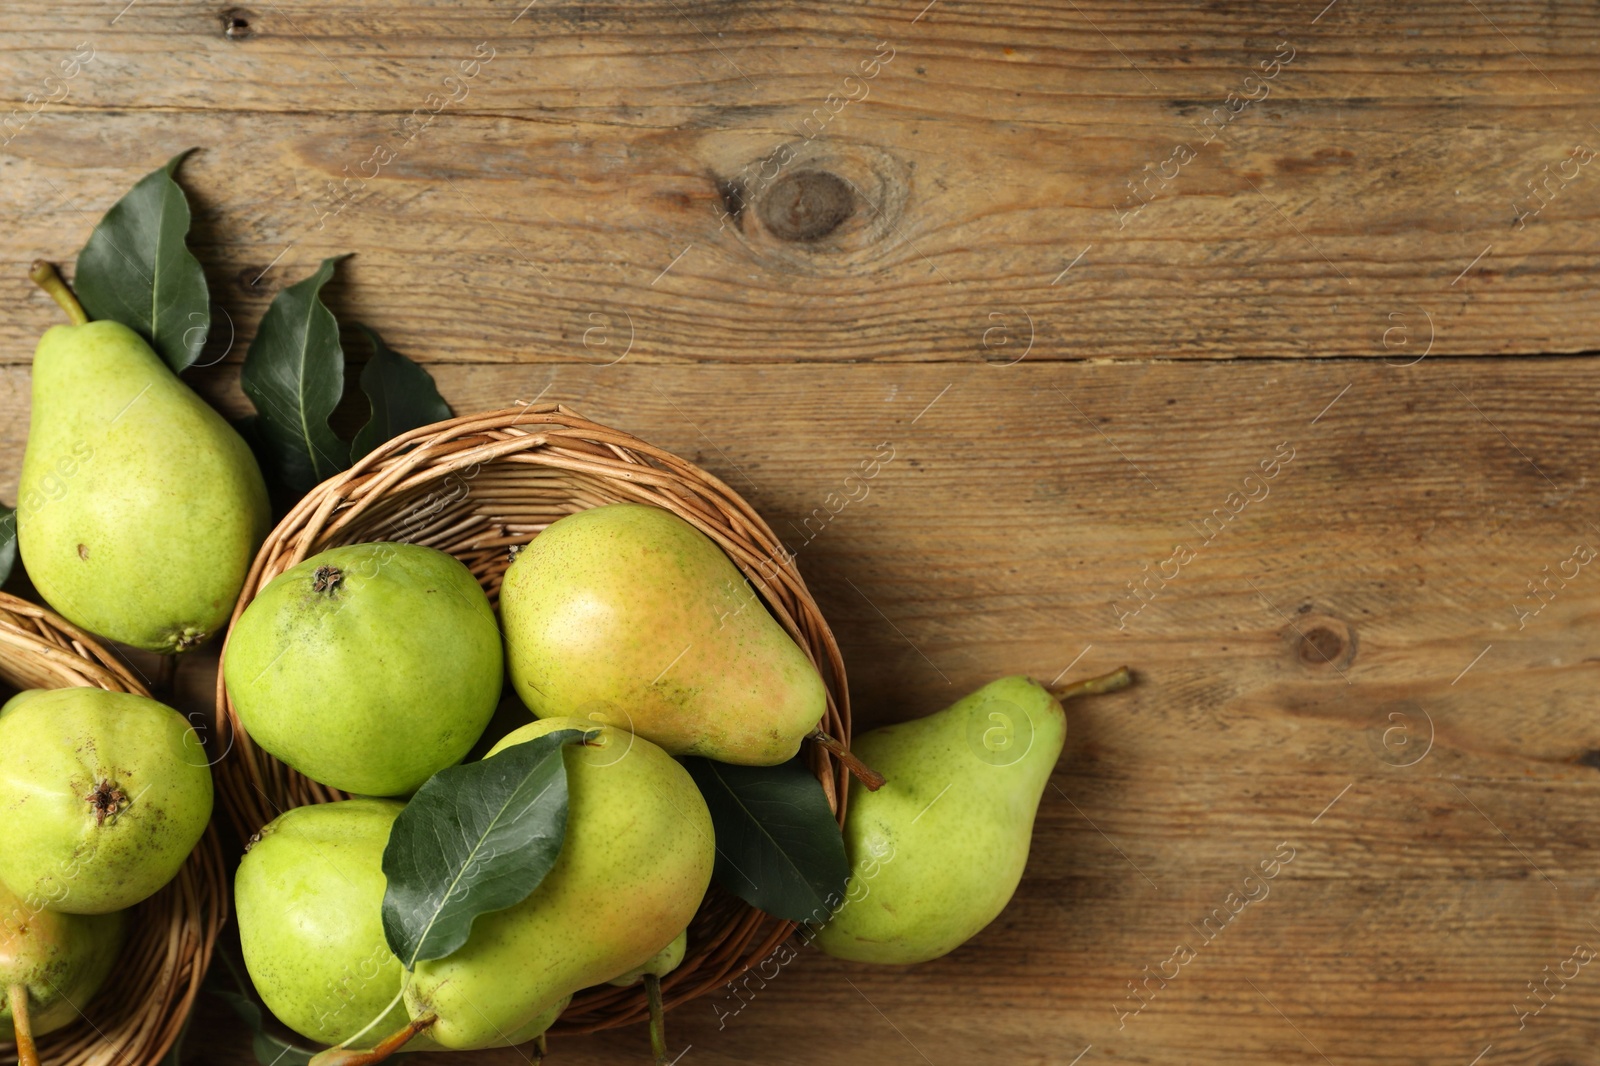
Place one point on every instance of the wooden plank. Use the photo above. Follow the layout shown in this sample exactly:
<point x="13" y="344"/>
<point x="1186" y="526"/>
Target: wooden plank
<point x="1379" y="189"/>
<point x="1441" y="856"/>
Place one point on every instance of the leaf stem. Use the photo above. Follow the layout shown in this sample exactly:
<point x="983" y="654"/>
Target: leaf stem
<point x="44" y="275"/>
<point x="863" y="773"/>
<point x="658" y="1021"/>
<point x="27" y="1054"/>
<point x="384" y="1048"/>
<point x="1094" y="686"/>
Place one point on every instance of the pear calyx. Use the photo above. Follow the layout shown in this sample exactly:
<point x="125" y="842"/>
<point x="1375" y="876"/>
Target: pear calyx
<point x="188" y="638"/>
<point x="108" y="800"/>
<point x="327" y="579"/>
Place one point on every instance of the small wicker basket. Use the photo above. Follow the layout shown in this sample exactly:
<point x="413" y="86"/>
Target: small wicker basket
<point x="475" y="487"/>
<point x="144" y="1004"/>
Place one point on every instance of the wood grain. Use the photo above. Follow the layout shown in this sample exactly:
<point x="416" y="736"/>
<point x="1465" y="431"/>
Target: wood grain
<point x="599" y="147"/>
<point x="1340" y="666"/>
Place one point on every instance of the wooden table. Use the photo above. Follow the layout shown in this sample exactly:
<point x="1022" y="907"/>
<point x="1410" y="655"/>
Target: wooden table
<point x="1084" y="293"/>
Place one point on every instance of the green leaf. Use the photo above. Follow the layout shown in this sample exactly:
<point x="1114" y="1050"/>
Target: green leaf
<point x="778" y="845"/>
<point x="294" y="374"/>
<point x="476" y="838"/>
<point x="8" y="541"/>
<point x="402" y="395"/>
<point x="137" y="269"/>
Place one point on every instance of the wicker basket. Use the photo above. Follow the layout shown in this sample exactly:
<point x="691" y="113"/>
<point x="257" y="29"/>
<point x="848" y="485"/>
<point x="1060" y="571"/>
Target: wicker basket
<point x="477" y="486"/>
<point x="143" y="1006"/>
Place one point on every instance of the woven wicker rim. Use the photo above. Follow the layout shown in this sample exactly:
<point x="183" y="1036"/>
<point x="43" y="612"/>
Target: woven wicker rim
<point x="142" y="1008"/>
<point x="478" y="485"/>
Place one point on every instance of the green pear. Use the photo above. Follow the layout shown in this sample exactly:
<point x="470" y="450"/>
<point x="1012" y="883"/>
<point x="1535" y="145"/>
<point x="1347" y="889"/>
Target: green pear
<point x="139" y="509"/>
<point x="937" y="852"/>
<point x="660" y="964"/>
<point x="368" y="668"/>
<point x="51" y="965"/>
<point x="628" y="614"/>
<point x="102" y="797"/>
<point x="632" y="871"/>
<point x="309" y="899"/>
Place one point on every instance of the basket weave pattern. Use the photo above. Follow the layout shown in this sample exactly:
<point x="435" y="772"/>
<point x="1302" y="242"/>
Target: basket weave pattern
<point x="142" y="1008"/>
<point x="475" y="487"/>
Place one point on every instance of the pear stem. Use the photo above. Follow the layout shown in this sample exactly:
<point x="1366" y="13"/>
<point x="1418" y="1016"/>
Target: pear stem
<point x="658" y="1020"/>
<point x="863" y="773"/>
<point x="27" y="1054"/>
<point x="1094" y="686"/>
<point x="44" y="275"/>
<point x="390" y="1044"/>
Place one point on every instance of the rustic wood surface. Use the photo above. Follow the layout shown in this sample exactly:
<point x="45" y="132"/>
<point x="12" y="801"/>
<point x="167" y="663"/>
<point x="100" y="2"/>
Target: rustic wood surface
<point x="1349" y="279"/>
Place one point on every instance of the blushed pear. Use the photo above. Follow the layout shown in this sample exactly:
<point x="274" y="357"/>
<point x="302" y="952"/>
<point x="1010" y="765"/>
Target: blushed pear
<point x="633" y="867"/>
<point x="628" y="614"/>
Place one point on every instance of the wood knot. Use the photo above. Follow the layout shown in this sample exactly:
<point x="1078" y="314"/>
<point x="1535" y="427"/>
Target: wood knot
<point x="236" y="24"/>
<point x="1321" y="645"/>
<point x="812" y="207"/>
<point x="807" y="205"/>
<point x="1321" y="642"/>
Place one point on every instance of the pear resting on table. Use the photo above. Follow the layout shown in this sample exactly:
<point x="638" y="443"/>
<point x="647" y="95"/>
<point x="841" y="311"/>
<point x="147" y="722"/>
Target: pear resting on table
<point x="139" y="507"/>
<point x="938" y="851"/>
